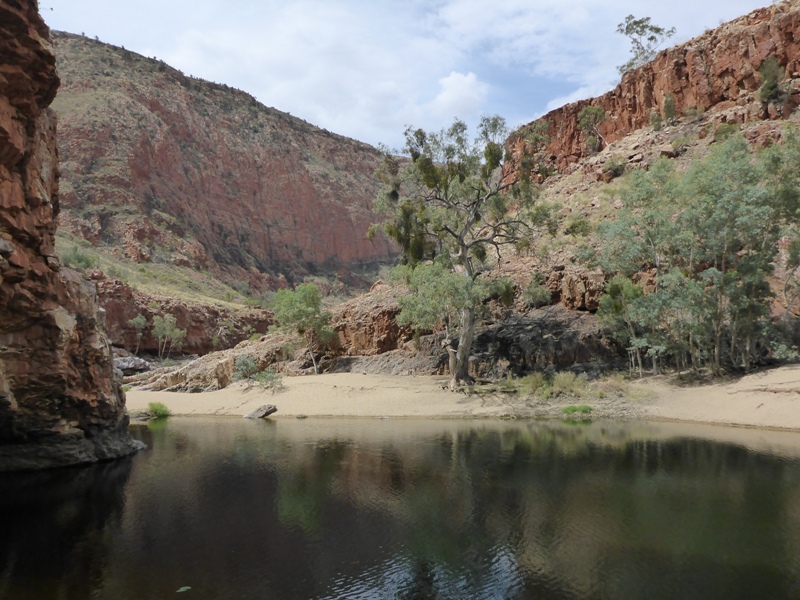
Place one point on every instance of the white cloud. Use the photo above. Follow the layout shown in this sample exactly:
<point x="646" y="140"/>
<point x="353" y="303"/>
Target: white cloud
<point x="368" y="69"/>
<point x="460" y="96"/>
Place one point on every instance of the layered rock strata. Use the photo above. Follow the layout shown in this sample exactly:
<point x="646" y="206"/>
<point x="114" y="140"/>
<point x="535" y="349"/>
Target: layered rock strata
<point x="718" y="69"/>
<point x="60" y="403"/>
<point x="161" y="167"/>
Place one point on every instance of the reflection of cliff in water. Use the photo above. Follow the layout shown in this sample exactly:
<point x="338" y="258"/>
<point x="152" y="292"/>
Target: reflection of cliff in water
<point x="337" y="509"/>
<point x="469" y="511"/>
<point x="57" y="529"/>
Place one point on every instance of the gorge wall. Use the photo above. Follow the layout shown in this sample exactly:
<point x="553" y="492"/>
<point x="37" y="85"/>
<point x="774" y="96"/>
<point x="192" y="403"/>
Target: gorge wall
<point x="60" y="403"/>
<point x="161" y="167"/>
<point x="718" y="69"/>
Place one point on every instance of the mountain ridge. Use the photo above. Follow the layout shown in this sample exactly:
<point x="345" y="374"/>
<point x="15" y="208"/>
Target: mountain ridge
<point x="168" y="168"/>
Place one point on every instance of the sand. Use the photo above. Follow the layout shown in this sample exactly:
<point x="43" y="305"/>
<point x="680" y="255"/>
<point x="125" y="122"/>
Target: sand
<point x="769" y="399"/>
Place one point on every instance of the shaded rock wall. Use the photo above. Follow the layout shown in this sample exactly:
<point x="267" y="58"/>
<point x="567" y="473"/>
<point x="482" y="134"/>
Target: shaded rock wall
<point x="59" y="401"/>
<point x="717" y="69"/>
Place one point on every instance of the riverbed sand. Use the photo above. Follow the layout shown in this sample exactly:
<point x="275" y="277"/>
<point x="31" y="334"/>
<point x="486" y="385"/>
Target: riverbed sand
<point x="769" y="398"/>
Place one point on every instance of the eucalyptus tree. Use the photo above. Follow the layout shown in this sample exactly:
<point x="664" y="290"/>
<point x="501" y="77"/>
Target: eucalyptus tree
<point x="459" y="201"/>
<point x="645" y="38"/>
<point x="710" y="237"/>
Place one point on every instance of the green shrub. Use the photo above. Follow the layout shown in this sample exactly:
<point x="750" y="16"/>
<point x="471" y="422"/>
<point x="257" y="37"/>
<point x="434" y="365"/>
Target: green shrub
<point x="724" y="131"/>
<point x="579" y="226"/>
<point x="77" y="259"/>
<point x="679" y="145"/>
<point x="669" y="108"/>
<point x="771" y="90"/>
<point x="537" y="295"/>
<point x="581" y="409"/>
<point x="532" y="383"/>
<point x="694" y="114"/>
<point x="244" y="368"/>
<point x="159" y="410"/>
<point x="614" y="167"/>
<point x="267" y="380"/>
<point x="568" y="384"/>
<point x="656" y="122"/>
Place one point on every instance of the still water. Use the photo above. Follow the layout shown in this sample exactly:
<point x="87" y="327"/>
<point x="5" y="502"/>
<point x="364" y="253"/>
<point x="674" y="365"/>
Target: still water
<point x="228" y="508"/>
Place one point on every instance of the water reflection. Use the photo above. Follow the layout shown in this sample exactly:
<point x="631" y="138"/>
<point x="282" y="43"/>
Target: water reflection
<point x="57" y="527"/>
<point x="403" y="509"/>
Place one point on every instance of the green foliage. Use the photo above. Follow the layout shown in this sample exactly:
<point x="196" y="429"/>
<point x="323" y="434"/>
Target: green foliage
<point x="724" y="131"/>
<point x="709" y="235"/>
<point x="245" y="369"/>
<point x="581" y="409"/>
<point x="455" y="202"/>
<point x="680" y="144"/>
<point x="578" y="226"/>
<point x="159" y="410"/>
<point x="569" y="384"/>
<point x="503" y="290"/>
<point x="694" y="113"/>
<point x="645" y="39"/>
<point x="591" y="116"/>
<point x="268" y="380"/>
<point x="301" y="310"/>
<point x="437" y="295"/>
<point x="537" y="295"/>
<point x="77" y="259"/>
<point x="589" y="119"/>
<point x="772" y="90"/>
<point x="168" y="334"/>
<point x="669" y="108"/>
<point x="614" y="167"/>
<point x="656" y="122"/>
<point x="139" y="322"/>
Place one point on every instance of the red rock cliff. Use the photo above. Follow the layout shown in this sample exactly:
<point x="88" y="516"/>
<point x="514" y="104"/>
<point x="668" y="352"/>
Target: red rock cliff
<point x="168" y="168"/>
<point x="59" y="401"/>
<point x="718" y="69"/>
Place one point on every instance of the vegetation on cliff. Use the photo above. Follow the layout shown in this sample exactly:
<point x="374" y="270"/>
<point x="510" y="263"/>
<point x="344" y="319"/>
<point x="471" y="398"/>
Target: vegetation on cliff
<point x="708" y="238"/>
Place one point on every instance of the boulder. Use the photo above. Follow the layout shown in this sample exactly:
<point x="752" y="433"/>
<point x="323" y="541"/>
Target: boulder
<point x="262" y="412"/>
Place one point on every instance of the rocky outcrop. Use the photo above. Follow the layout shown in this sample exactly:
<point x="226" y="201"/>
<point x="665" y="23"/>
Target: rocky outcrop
<point x="60" y="403"/>
<point x="576" y="288"/>
<point x="160" y="167"/>
<point x="367" y="325"/>
<point x="208" y="327"/>
<point x="719" y="69"/>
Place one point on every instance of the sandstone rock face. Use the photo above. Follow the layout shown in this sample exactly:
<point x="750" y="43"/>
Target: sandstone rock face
<point x="207" y="327"/>
<point x="367" y="325"/>
<point x="577" y="288"/>
<point x="718" y="69"/>
<point x="60" y="403"/>
<point x="167" y="168"/>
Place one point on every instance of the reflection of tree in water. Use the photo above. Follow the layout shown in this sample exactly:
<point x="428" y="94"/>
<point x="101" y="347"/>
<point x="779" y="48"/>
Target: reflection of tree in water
<point x="527" y="510"/>
<point x="56" y="529"/>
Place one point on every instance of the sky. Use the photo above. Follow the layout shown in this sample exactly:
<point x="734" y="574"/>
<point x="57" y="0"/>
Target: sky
<point x="367" y="69"/>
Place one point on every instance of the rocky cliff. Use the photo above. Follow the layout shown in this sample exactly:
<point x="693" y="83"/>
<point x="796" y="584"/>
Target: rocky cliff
<point x="167" y="168"/>
<point x="208" y="327"/>
<point x="59" y="401"/>
<point x="719" y="69"/>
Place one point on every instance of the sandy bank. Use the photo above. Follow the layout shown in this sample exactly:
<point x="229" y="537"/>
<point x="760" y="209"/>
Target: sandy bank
<point x="766" y="399"/>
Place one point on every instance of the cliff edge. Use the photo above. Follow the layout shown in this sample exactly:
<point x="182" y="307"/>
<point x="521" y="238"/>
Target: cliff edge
<point x="60" y="403"/>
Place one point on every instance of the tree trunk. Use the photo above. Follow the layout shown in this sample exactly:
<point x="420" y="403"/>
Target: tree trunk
<point x="311" y="343"/>
<point x="467" y="334"/>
